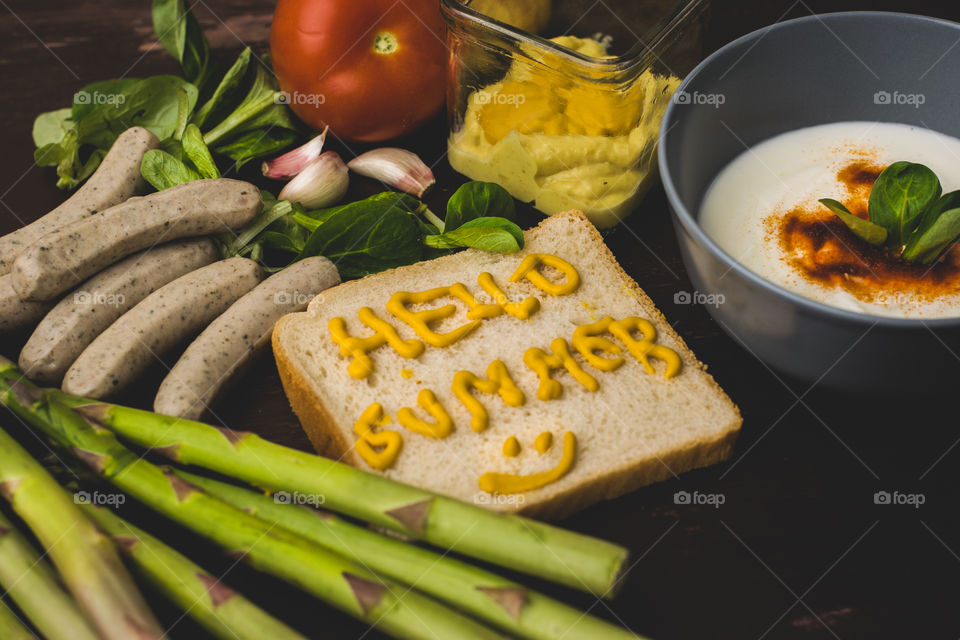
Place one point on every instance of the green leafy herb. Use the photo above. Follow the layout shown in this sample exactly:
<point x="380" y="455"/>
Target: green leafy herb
<point x="864" y="229"/>
<point x="902" y="192"/>
<point x="51" y="127"/>
<point x="75" y="140"/>
<point x="180" y="34"/>
<point x="478" y="200"/>
<point x="155" y="103"/>
<point x="907" y="213"/>
<point x="198" y="153"/>
<point x="228" y="85"/>
<point x="487" y="233"/>
<point x="363" y="238"/>
<point x="163" y="171"/>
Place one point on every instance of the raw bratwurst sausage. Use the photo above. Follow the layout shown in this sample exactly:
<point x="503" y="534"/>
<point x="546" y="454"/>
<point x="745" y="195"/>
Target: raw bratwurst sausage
<point x="64" y="258"/>
<point x="116" y="179"/>
<point x="161" y="321"/>
<point x="80" y="317"/>
<point x="14" y="312"/>
<point x="233" y="339"/>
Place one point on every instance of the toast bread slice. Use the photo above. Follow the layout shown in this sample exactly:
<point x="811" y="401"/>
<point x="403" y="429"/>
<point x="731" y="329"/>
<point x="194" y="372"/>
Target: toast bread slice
<point x="635" y="429"/>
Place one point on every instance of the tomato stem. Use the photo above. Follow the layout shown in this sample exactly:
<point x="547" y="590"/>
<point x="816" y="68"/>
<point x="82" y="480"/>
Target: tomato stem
<point x="385" y="43"/>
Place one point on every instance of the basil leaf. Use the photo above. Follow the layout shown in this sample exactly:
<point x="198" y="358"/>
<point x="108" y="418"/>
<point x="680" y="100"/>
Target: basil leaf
<point x="936" y="232"/>
<point x="100" y="93"/>
<point x="51" y="127"/>
<point x="228" y="85"/>
<point x="65" y="156"/>
<point x="901" y="193"/>
<point x="477" y="200"/>
<point x="362" y="239"/>
<point x="863" y="229"/>
<point x="153" y="103"/>
<point x="179" y="32"/>
<point x="262" y="95"/>
<point x="197" y="151"/>
<point x="163" y="171"/>
<point x="487" y="234"/>
<point x="256" y="144"/>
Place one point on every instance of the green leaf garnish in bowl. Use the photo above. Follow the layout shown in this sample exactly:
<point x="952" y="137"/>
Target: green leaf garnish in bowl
<point x="907" y="214"/>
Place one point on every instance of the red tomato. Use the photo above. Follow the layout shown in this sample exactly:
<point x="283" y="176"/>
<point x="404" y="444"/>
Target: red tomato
<point x="370" y="69"/>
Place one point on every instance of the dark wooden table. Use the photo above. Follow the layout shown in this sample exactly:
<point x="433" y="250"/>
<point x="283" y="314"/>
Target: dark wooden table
<point x="798" y="549"/>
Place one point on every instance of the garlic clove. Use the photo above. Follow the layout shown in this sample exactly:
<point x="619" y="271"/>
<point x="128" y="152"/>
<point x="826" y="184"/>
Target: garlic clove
<point x="292" y="162"/>
<point x="320" y="184"/>
<point x="398" y="168"/>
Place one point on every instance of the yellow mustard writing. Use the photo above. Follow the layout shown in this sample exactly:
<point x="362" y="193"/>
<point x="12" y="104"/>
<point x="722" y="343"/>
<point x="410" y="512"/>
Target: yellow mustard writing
<point x="528" y="270"/>
<point x="358" y="348"/>
<point x="420" y="321"/>
<point x="442" y="425"/>
<point x="498" y="381"/>
<point x="391" y="441"/>
<point x="543" y="442"/>
<point x="542" y="363"/>
<point x="511" y="447"/>
<point x="521" y="310"/>
<point x="492" y="482"/>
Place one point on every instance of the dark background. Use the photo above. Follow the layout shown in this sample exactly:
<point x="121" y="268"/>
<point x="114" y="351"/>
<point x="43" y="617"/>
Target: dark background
<point x="798" y="549"/>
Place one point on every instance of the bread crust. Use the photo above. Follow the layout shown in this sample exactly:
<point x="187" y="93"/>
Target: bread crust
<point x="330" y="440"/>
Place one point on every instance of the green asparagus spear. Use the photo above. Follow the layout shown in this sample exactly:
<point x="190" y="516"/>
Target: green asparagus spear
<point x="509" y="540"/>
<point x="29" y="581"/>
<point x="220" y="609"/>
<point x="344" y="584"/>
<point x="85" y="558"/>
<point x="519" y="611"/>
<point x="11" y="627"/>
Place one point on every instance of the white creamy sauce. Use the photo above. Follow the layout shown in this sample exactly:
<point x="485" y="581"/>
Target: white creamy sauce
<point x="796" y="169"/>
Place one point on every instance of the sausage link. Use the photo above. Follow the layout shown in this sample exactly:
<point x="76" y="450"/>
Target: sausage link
<point x="231" y="341"/>
<point x="160" y="322"/>
<point x="115" y="180"/>
<point x="14" y="312"/>
<point x="64" y="258"/>
<point x="80" y="317"/>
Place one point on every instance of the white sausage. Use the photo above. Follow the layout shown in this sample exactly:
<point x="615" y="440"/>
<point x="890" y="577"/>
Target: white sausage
<point x="63" y="259"/>
<point x="14" y="312"/>
<point x="232" y="340"/>
<point x="116" y="179"/>
<point x="161" y="321"/>
<point x="85" y="313"/>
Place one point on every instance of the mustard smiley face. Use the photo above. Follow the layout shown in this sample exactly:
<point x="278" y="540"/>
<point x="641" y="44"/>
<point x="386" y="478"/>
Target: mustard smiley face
<point x="494" y="482"/>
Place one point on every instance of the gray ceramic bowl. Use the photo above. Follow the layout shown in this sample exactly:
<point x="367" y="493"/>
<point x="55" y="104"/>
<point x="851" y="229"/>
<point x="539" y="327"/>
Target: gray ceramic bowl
<point x="804" y="72"/>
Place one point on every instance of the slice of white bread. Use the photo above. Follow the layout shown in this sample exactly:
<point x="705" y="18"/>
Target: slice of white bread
<point x="637" y="428"/>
